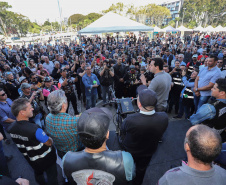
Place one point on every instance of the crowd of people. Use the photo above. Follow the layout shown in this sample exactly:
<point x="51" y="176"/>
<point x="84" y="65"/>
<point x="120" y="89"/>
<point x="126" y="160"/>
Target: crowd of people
<point x="167" y="74"/>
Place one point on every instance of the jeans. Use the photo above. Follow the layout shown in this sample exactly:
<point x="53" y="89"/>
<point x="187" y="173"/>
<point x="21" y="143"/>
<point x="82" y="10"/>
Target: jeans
<point x="184" y="109"/>
<point x="91" y="101"/>
<point x="3" y="164"/>
<point x="71" y="97"/>
<point x="105" y="91"/>
<point x="38" y="121"/>
<point x="51" y="173"/>
<point x="200" y="100"/>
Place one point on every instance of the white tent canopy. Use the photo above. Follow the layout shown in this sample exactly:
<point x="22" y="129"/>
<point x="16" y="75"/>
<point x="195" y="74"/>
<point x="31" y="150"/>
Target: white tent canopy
<point x="112" y="22"/>
<point x="157" y="29"/>
<point x="169" y="29"/>
<point x="182" y="28"/>
<point x="219" y="28"/>
<point x="208" y="29"/>
<point x="199" y="28"/>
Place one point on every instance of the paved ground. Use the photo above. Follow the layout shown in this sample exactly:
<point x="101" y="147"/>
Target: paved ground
<point x="170" y="151"/>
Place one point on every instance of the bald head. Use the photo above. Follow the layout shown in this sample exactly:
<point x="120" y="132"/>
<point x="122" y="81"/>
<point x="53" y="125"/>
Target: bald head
<point x="204" y="143"/>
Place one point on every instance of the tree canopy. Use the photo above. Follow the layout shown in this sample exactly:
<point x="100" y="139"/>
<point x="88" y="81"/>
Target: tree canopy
<point x="204" y="12"/>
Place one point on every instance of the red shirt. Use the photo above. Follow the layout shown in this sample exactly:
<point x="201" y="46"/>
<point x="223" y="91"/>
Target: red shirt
<point x="98" y="59"/>
<point x="200" y="56"/>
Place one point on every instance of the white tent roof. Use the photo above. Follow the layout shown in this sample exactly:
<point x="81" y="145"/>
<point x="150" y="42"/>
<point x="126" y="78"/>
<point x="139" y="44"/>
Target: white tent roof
<point x="112" y="22"/>
<point x="199" y="28"/>
<point x="157" y="29"/>
<point x="208" y="29"/>
<point x="169" y="29"/>
<point x="182" y="28"/>
<point x="219" y="28"/>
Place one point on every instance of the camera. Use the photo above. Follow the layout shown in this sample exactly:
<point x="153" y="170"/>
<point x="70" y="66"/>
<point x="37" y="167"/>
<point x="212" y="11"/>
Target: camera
<point x="71" y="74"/>
<point x="78" y="51"/>
<point x="178" y="69"/>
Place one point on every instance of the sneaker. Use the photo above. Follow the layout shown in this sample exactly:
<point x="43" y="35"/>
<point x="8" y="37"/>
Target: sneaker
<point x="177" y="117"/>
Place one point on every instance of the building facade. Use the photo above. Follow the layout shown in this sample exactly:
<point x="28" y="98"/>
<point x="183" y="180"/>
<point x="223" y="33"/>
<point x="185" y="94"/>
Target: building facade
<point x="174" y="6"/>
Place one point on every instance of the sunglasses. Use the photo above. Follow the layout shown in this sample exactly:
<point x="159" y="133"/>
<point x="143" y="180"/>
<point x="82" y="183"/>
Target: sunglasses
<point x="3" y="94"/>
<point x="220" y="62"/>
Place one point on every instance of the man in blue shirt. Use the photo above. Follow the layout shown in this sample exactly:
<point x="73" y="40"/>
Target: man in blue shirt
<point x="91" y="83"/>
<point x="205" y="81"/>
<point x="213" y="114"/>
<point x="6" y="116"/>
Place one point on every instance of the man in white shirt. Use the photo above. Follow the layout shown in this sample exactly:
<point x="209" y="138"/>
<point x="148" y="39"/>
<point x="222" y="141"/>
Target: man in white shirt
<point x="48" y="65"/>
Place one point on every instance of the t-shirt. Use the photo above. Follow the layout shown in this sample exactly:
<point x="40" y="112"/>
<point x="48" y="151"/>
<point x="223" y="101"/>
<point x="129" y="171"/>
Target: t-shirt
<point x="188" y="176"/>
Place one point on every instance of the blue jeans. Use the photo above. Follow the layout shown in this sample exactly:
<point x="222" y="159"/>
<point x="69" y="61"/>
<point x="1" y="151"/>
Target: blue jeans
<point x="184" y="109"/>
<point x="105" y="91"/>
<point x="38" y="121"/>
<point x="91" y="101"/>
<point x="200" y="100"/>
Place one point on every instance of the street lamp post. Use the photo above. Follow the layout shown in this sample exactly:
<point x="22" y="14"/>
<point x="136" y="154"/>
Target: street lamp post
<point x="183" y="16"/>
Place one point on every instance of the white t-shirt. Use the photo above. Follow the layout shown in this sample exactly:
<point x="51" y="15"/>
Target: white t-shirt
<point x="49" y="67"/>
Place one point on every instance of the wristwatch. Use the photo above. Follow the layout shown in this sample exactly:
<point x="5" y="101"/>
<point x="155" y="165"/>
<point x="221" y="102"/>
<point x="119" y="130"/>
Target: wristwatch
<point x="196" y="89"/>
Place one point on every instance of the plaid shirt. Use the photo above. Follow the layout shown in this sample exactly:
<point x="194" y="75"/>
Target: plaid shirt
<point x="62" y="128"/>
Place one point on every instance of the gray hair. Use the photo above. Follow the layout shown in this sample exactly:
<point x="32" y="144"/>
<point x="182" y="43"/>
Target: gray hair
<point x="87" y="66"/>
<point x="55" y="101"/>
<point x="56" y="62"/>
<point x="182" y="55"/>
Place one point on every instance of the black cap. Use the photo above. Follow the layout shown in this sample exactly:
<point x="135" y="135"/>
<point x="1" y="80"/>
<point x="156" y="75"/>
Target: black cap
<point x="147" y="97"/>
<point x="47" y="79"/>
<point x="95" y="122"/>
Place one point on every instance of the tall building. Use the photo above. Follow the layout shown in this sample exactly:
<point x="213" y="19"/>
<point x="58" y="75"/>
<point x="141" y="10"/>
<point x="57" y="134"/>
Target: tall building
<point x="174" y="6"/>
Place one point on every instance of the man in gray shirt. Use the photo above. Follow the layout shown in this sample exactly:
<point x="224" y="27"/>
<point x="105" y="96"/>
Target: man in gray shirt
<point x="161" y="83"/>
<point x="201" y="154"/>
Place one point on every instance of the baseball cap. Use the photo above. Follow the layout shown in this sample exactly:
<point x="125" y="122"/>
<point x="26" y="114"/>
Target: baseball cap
<point x="94" y="122"/>
<point x="47" y="79"/>
<point x="25" y="85"/>
<point x="195" y="56"/>
<point x="147" y="97"/>
<point x="22" y="78"/>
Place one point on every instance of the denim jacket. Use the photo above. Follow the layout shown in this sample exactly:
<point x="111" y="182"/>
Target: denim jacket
<point x="206" y="111"/>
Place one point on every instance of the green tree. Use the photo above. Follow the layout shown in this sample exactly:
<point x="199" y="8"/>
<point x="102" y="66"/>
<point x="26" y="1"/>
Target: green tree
<point x="76" y="18"/>
<point x="115" y="8"/>
<point x="172" y="23"/>
<point x="204" y="12"/>
<point x="47" y="23"/>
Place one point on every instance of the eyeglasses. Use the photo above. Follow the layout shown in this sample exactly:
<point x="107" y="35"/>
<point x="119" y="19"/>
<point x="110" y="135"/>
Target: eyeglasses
<point x="34" y="78"/>
<point x="220" y="62"/>
<point x="3" y="94"/>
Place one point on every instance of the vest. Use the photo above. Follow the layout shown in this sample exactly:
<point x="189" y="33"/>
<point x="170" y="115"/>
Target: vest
<point x="188" y="97"/>
<point x="218" y="122"/>
<point x="178" y="85"/>
<point x="39" y="156"/>
<point x="92" y="168"/>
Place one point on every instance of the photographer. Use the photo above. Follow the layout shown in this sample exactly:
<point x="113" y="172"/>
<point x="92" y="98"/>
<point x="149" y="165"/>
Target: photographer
<point x="176" y="87"/>
<point x="34" y="98"/>
<point x="131" y="81"/>
<point x="120" y="72"/>
<point x="48" y="88"/>
<point x="106" y="79"/>
<point x="67" y="80"/>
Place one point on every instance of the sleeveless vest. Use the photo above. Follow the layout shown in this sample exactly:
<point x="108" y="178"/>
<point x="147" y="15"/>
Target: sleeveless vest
<point x="107" y="166"/>
<point x="39" y="156"/>
<point x="219" y="121"/>
<point x="188" y="97"/>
